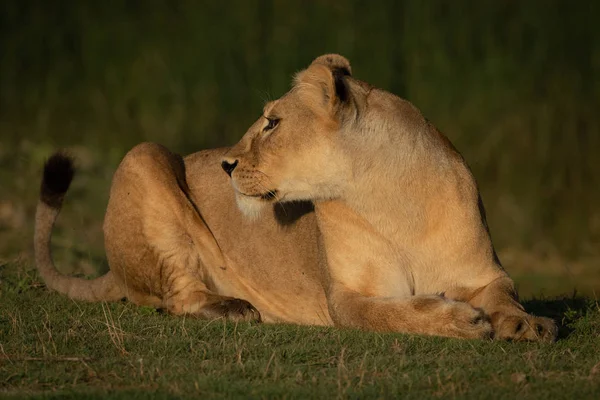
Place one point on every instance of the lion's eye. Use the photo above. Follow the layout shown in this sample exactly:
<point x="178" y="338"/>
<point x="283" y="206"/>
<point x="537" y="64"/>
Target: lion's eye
<point x="272" y="124"/>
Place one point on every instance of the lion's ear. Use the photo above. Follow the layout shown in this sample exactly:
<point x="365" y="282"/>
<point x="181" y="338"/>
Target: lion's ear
<point x="335" y="62"/>
<point x="324" y="82"/>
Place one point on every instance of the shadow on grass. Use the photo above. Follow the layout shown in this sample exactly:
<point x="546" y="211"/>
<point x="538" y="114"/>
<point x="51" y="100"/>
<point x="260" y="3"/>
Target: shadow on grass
<point x="564" y="310"/>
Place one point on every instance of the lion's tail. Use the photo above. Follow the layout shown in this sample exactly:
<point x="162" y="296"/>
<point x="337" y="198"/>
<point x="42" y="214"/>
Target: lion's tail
<point x="58" y="173"/>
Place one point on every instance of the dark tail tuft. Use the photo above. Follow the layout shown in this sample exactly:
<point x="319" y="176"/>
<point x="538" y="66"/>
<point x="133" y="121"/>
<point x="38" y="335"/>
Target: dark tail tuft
<point x="58" y="174"/>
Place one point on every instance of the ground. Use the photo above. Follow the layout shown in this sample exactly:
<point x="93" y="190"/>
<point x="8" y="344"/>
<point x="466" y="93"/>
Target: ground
<point x="51" y="346"/>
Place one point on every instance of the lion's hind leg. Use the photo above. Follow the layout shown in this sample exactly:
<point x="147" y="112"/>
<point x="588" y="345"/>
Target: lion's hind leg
<point x="157" y="242"/>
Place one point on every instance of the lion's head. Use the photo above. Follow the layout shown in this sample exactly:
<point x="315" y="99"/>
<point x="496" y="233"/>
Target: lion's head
<point x="293" y="151"/>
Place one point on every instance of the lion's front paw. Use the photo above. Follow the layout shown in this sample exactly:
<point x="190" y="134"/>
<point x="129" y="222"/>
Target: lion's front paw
<point x="236" y="310"/>
<point x="524" y="328"/>
<point x="468" y="322"/>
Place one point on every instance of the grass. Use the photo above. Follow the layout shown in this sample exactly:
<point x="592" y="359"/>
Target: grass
<point x="53" y="347"/>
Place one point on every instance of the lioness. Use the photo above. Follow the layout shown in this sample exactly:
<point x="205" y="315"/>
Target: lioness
<point x="397" y="238"/>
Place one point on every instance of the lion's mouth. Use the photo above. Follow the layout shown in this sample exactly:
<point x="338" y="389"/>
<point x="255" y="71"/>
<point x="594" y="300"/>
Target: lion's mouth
<point x="267" y="196"/>
<point x="270" y="195"/>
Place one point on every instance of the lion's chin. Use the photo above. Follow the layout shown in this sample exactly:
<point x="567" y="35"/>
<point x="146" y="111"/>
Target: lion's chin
<point x="252" y="207"/>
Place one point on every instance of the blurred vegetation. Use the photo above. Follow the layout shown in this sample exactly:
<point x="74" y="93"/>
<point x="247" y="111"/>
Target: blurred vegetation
<point x="513" y="84"/>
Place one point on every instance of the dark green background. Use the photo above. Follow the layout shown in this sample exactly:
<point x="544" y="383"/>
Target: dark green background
<point x="513" y="84"/>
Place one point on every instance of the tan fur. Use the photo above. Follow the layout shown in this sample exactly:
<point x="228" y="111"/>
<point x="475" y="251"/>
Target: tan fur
<point x="396" y="241"/>
<point x="404" y="233"/>
<point x="175" y="239"/>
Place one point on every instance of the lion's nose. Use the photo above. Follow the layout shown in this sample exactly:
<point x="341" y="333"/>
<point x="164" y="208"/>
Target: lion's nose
<point x="229" y="166"/>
